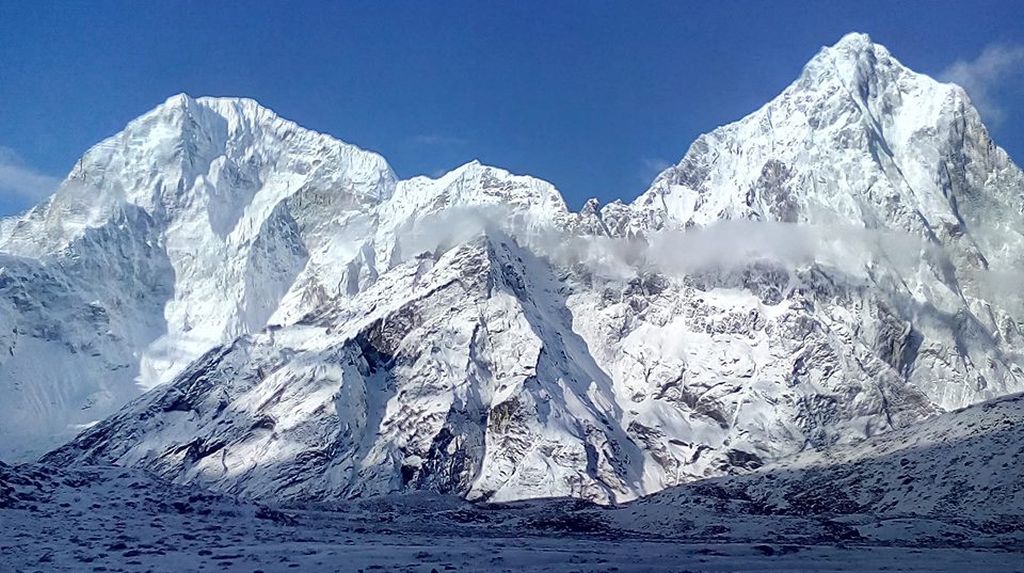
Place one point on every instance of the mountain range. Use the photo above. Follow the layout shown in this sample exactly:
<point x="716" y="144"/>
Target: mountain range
<point x="226" y="299"/>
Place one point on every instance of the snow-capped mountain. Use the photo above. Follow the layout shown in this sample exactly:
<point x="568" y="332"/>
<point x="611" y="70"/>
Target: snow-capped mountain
<point x="185" y="230"/>
<point x="831" y="267"/>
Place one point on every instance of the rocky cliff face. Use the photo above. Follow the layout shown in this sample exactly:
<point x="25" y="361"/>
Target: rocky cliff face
<point x="829" y="268"/>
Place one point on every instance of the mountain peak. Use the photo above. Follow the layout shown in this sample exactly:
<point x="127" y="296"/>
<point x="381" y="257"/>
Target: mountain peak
<point x="220" y="104"/>
<point x="852" y="47"/>
<point x="212" y="118"/>
<point x="857" y="141"/>
<point x="178" y="100"/>
<point x="855" y="59"/>
<point x="854" y="42"/>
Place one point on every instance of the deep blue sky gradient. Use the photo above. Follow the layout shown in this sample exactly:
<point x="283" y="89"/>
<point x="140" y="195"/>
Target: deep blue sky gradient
<point x="592" y="96"/>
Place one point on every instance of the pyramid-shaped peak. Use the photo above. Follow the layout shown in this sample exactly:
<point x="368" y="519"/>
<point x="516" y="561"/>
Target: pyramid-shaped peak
<point x="867" y="71"/>
<point x="854" y="109"/>
<point x="237" y="106"/>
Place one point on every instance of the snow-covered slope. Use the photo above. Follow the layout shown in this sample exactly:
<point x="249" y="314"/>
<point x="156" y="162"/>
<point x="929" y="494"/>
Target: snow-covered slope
<point x="827" y="269"/>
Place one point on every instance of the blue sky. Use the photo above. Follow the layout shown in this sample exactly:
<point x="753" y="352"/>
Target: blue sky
<point x="594" y="96"/>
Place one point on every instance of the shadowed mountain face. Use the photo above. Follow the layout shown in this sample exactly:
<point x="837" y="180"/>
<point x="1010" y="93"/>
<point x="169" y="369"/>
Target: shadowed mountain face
<point x="945" y="495"/>
<point x="832" y="267"/>
<point x="958" y="466"/>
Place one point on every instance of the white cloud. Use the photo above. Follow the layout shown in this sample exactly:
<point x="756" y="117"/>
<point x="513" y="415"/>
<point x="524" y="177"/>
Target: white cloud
<point x="727" y="245"/>
<point x="852" y="252"/>
<point x="20" y="182"/>
<point x="982" y="76"/>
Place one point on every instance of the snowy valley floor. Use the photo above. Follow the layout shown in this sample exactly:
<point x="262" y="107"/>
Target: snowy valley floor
<point x="115" y="519"/>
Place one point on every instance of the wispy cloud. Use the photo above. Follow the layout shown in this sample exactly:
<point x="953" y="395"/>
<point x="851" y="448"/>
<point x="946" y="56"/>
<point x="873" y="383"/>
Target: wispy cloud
<point x="652" y="166"/>
<point x="20" y="182"/>
<point x="982" y="76"/>
<point x="438" y="140"/>
<point x="848" y="253"/>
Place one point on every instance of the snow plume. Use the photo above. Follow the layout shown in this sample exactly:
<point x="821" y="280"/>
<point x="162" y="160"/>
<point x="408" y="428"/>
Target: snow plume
<point x="982" y="76"/>
<point x="21" y="183"/>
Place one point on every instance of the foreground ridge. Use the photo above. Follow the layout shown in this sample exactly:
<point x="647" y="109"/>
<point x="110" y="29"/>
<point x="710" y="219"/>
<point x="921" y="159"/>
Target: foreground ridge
<point x="932" y="498"/>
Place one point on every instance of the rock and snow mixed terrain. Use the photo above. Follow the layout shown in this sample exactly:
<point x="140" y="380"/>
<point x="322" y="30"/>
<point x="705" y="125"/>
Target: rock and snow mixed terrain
<point x="947" y="497"/>
<point x="790" y="314"/>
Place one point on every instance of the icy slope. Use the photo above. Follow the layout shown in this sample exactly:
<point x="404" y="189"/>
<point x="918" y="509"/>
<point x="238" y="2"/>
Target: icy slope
<point x="71" y="328"/>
